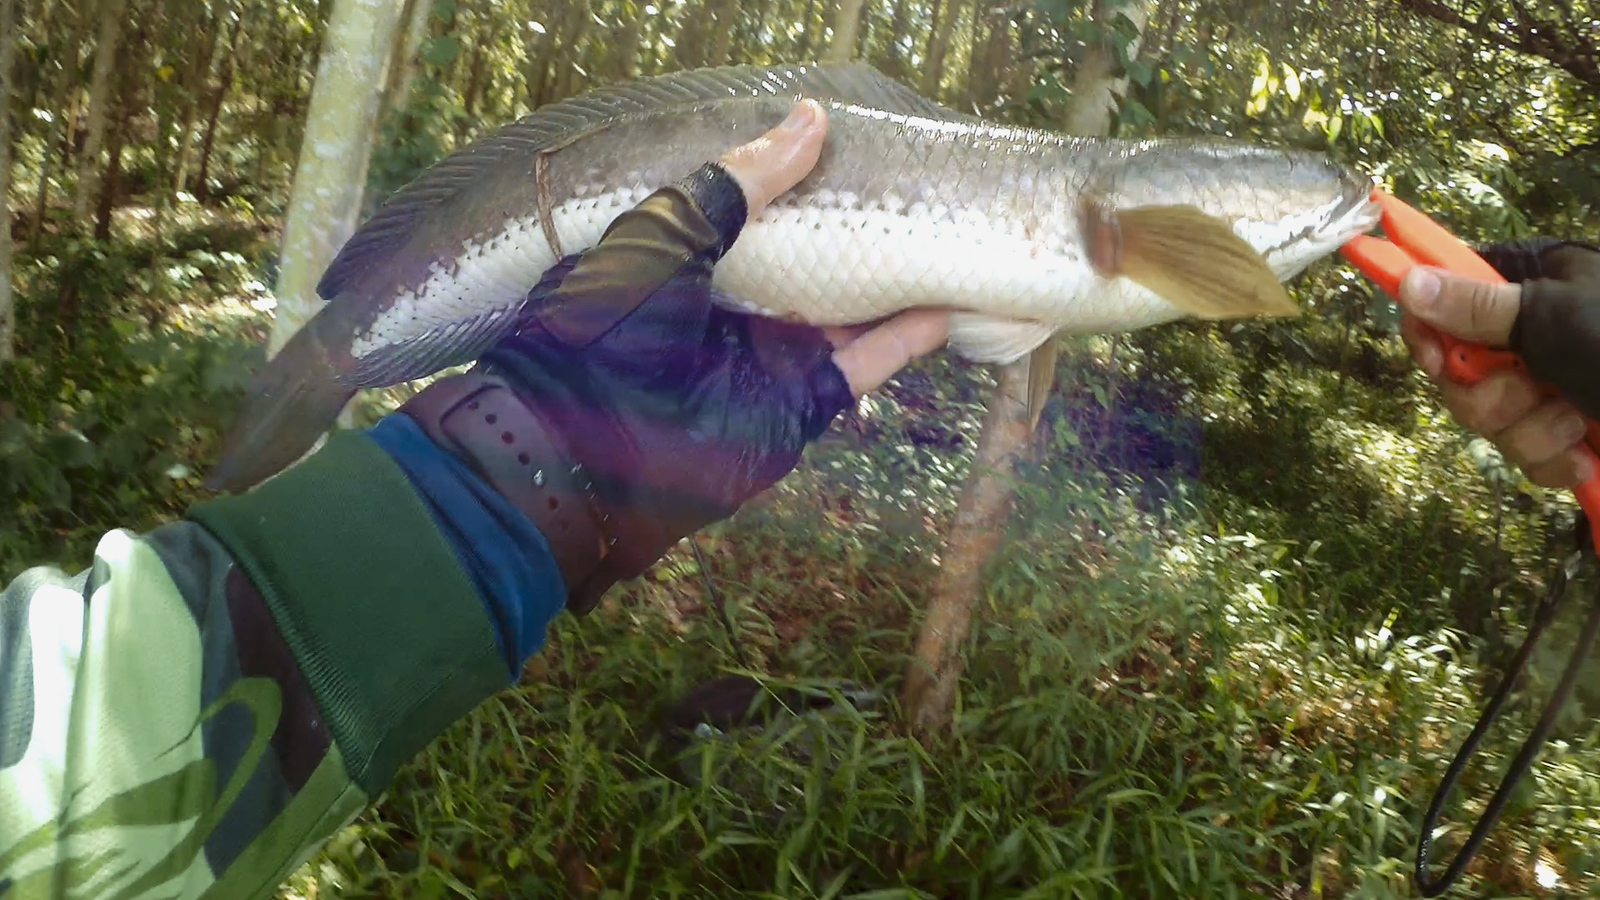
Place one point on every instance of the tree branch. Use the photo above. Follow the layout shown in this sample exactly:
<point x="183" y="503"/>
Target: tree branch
<point x="1561" y="47"/>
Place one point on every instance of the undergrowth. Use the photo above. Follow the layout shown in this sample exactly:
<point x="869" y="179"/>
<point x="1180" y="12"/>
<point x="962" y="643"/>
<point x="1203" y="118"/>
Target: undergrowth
<point x="1221" y="655"/>
<point x="111" y="411"/>
<point x="1254" y="593"/>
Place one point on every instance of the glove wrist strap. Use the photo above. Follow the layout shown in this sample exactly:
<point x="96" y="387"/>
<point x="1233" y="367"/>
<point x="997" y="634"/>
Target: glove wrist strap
<point x="479" y="418"/>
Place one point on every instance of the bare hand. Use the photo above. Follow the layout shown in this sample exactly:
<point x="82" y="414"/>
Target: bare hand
<point x="776" y="162"/>
<point x="1540" y="437"/>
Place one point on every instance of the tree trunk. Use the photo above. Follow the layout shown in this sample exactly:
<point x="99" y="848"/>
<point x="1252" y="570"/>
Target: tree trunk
<point x="984" y="74"/>
<point x="41" y="201"/>
<point x="162" y="112"/>
<point x="469" y="94"/>
<point x="1018" y="74"/>
<point x="8" y="46"/>
<point x="938" y="47"/>
<point x="481" y="86"/>
<point x="866" y="22"/>
<point x="537" y="56"/>
<point x="113" y="177"/>
<point x="845" y="25"/>
<point x="899" y="25"/>
<point x="109" y="187"/>
<point x="986" y="499"/>
<point x="332" y="171"/>
<point x="690" y="43"/>
<point x="397" y="75"/>
<point x="722" y="41"/>
<point x="804" y="47"/>
<point x="194" y="86"/>
<point x="1096" y="92"/>
<point x="975" y="534"/>
<point x="935" y="15"/>
<point x="1169" y="27"/>
<point x="214" y="112"/>
<point x="105" y="60"/>
<point x="575" y="30"/>
<point x="62" y="104"/>
<point x="403" y="70"/>
<point x="752" y="43"/>
<point x="626" y="65"/>
<point x="975" y="48"/>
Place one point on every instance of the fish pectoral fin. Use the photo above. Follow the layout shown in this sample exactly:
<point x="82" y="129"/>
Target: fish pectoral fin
<point x="989" y="339"/>
<point x="1188" y="257"/>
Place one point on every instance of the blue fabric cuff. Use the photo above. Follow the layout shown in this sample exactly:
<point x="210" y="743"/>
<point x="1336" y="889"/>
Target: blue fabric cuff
<point x="505" y="555"/>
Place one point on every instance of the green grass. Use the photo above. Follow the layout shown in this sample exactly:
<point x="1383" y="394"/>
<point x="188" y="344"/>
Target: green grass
<point x="1248" y="693"/>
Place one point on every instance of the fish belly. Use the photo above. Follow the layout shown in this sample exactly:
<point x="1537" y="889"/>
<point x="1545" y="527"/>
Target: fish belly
<point x="829" y="266"/>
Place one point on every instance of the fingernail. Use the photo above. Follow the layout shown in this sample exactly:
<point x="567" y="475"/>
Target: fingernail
<point x="1422" y="287"/>
<point x="1569" y="429"/>
<point x="1432" y="360"/>
<point x="800" y="118"/>
<point x="1583" y="467"/>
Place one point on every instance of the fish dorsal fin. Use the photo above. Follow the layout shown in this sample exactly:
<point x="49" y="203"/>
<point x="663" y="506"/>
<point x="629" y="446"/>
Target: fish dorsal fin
<point x="553" y="124"/>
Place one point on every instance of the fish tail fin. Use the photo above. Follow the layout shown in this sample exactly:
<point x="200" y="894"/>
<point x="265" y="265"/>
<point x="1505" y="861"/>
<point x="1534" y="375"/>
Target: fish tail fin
<point x="293" y="402"/>
<point x="1188" y="257"/>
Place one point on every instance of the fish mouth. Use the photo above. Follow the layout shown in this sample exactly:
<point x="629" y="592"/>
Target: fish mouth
<point x="1350" y="212"/>
<point x="1358" y="214"/>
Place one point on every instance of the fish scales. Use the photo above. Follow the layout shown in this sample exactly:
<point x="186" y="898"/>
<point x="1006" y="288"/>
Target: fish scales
<point x="938" y="221"/>
<point x="976" y="217"/>
<point x="1025" y="232"/>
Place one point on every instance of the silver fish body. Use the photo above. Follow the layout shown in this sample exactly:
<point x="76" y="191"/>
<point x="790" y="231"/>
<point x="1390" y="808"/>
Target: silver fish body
<point x="911" y="204"/>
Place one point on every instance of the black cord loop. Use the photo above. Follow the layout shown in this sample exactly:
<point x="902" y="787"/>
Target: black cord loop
<point x="1543" y="616"/>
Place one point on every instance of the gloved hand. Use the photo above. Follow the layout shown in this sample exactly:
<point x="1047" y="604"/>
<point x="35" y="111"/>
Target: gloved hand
<point x="1549" y="314"/>
<point x="629" y="409"/>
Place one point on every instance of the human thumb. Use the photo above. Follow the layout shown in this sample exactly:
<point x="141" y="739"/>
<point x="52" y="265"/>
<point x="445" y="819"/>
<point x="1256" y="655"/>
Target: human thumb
<point x="1468" y="309"/>
<point x="779" y="159"/>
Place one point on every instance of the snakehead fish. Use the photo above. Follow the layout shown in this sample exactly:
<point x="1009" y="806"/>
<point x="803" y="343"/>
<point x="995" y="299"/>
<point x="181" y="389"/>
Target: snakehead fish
<point x="1024" y="232"/>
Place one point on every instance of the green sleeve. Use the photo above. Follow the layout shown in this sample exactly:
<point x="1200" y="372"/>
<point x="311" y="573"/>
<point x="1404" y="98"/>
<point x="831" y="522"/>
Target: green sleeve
<point x="200" y="710"/>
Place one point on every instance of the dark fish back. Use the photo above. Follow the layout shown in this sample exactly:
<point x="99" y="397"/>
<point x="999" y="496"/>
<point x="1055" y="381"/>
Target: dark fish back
<point x="552" y="125"/>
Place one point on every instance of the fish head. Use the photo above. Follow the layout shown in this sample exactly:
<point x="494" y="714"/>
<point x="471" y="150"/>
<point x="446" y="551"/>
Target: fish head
<point x="1293" y="206"/>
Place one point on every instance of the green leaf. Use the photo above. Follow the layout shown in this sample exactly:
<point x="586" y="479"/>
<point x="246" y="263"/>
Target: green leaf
<point x="71" y="451"/>
<point x="1135" y="113"/>
<point x="441" y="51"/>
<point x="1140" y="72"/>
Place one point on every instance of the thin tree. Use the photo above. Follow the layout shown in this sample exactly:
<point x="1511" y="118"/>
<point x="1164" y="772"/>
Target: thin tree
<point x="845" y="24"/>
<point x="1096" y="87"/>
<point x="105" y="61"/>
<point x="202" y="65"/>
<point x="988" y="494"/>
<point x="218" y="94"/>
<point x="939" y="47"/>
<point x="8" y="320"/>
<point x="326" y="197"/>
<point x="62" y="99"/>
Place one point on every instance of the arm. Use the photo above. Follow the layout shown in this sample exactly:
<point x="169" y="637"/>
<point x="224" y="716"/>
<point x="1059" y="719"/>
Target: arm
<point x="201" y="710"/>
<point x="160" y="737"/>
<point x="208" y="704"/>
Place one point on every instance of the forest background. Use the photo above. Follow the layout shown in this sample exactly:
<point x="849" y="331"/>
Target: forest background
<point x="1229" y="622"/>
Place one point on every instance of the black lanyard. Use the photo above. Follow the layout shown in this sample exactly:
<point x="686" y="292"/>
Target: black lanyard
<point x="1519" y="766"/>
